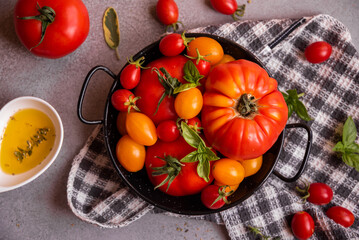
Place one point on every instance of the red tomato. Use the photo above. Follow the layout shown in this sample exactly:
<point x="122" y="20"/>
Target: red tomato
<point x="195" y="124"/>
<point x="243" y="112"/>
<point x="167" y="13"/>
<point x="214" y="197"/>
<point x="186" y="181"/>
<point x="173" y="44"/>
<point x="64" y="35"/>
<point x="302" y="225"/>
<point x="131" y="74"/>
<point x="318" y="52"/>
<point x="341" y="216"/>
<point x="227" y="7"/>
<point x="318" y="193"/>
<point x="168" y="131"/>
<point x="124" y="100"/>
<point x="150" y="89"/>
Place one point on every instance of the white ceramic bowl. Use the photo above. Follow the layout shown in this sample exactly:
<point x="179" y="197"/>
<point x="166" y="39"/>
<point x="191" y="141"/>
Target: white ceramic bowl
<point x="9" y="182"/>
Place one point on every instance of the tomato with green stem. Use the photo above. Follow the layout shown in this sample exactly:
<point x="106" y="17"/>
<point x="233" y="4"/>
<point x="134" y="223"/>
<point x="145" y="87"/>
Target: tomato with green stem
<point x="228" y="7"/>
<point x="174" y="44"/>
<point x="167" y="13"/>
<point x="131" y="74"/>
<point x="316" y="193"/>
<point x="208" y="47"/>
<point x="124" y="100"/>
<point x="214" y="197"/>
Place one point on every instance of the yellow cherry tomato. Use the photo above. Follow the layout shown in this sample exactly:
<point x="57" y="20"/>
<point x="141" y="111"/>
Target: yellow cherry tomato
<point x="251" y="166"/>
<point x="141" y="128"/>
<point x="226" y="58"/>
<point x="207" y="47"/>
<point x="121" y="123"/>
<point x="188" y="104"/>
<point x="130" y="154"/>
<point x="228" y="188"/>
<point x="228" y="171"/>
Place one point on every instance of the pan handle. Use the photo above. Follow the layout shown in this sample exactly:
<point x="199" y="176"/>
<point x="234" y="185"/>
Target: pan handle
<point x="306" y="154"/>
<point x="83" y="91"/>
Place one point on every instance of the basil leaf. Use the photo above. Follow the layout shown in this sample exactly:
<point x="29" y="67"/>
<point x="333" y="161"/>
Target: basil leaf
<point x="293" y="94"/>
<point x="295" y="105"/>
<point x="290" y="110"/>
<point x="184" y="87"/>
<point x="349" y="131"/>
<point x="211" y="156"/>
<point x="352" y="160"/>
<point x="191" y="137"/>
<point x="285" y="96"/>
<point x="111" y="29"/>
<point x="352" y="148"/>
<point x="191" y="157"/>
<point x="339" y="147"/>
<point x="302" y="111"/>
<point x="191" y="73"/>
<point x="203" y="169"/>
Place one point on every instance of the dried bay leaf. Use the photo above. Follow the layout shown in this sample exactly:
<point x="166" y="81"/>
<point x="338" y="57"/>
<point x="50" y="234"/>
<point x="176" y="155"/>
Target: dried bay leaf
<point x="111" y="29"/>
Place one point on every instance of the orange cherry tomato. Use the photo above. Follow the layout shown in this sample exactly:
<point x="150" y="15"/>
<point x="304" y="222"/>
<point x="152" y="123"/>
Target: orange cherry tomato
<point x="121" y="123"/>
<point x="141" y="128"/>
<point x="207" y="47"/>
<point x="226" y="58"/>
<point x="228" y="188"/>
<point x="130" y="154"/>
<point x="228" y="171"/>
<point x="188" y="104"/>
<point x="251" y="166"/>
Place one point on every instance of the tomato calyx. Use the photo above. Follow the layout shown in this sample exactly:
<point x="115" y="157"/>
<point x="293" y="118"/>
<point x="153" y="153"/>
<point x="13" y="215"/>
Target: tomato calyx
<point x="46" y="17"/>
<point x="186" y="40"/>
<point x="168" y="82"/>
<point x="304" y="191"/>
<point x="138" y="63"/>
<point x="222" y="195"/>
<point x="174" y="26"/>
<point x="199" y="57"/>
<point x="131" y="103"/>
<point x="171" y="168"/>
<point x="247" y="105"/>
<point x="239" y="12"/>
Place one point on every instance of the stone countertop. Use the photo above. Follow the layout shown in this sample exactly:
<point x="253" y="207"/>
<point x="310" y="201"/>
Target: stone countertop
<point x="39" y="209"/>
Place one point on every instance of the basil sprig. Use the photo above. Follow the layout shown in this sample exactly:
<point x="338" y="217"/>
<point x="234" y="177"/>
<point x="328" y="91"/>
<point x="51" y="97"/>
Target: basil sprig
<point x="203" y="154"/>
<point x="191" y="75"/>
<point x="348" y="148"/>
<point x="295" y="105"/>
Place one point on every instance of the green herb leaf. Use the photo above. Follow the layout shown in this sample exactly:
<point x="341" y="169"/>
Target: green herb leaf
<point x="339" y="147"/>
<point x="191" y="136"/>
<point x="352" y="148"/>
<point x="111" y="29"/>
<point x="349" y="131"/>
<point x="191" y="73"/>
<point x="184" y="87"/>
<point x="295" y="105"/>
<point x="191" y="157"/>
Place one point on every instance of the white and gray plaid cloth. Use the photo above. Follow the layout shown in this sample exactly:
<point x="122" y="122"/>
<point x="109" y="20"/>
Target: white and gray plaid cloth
<point x="96" y="193"/>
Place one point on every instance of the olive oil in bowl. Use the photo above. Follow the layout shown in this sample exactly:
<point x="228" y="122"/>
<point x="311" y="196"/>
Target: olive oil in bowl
<point x="28" y="138"/>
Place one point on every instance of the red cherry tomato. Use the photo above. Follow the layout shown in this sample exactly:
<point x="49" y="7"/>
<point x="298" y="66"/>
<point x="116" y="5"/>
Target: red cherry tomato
<point x="167" y="131"/>
<point x="341" y="216"/>
<point x="124" y="100"/>
<point x="173" y="44"/>
<point x="210" y="196"/>
<point x="195" y="124"/>
<point x="167" y="12"/>
<point x="302" y="225"/>
<point x="320" y="193"/>
<point x="64" y="35"/>
<point x="227" y="7"/>
<point x="318" y="52"/>
<point x="131" y="74"/>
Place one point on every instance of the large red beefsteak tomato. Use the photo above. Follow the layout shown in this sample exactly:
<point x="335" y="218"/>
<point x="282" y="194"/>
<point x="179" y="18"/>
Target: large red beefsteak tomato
<point x="243" y="112"/>
<point x="183" y="177"/>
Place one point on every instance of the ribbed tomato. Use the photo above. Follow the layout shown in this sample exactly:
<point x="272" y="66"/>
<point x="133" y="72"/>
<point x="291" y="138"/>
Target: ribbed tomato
<point x="243" y="112"/>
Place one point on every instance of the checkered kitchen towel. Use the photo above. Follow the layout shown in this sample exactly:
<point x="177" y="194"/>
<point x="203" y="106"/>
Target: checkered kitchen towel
<point x="96" y="193"/>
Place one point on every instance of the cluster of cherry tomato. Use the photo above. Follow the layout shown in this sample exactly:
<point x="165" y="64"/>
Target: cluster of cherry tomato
<point x="319" y="194"/>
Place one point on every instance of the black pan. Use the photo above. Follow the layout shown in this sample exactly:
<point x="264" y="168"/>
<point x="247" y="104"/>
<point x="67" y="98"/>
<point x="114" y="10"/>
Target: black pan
<point x="139" y="182"/>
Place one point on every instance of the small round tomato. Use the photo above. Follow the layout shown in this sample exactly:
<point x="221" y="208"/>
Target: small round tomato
<point x="131" y="74"/>
<point x="141" y="128"/>
<point x="229" y="188"/>
<point x="251" y="166"/>
<point x="202" y="64"/>
<point x="188" y="104"/>
<point x="167" y="13"/>
<point x="121" y="123"/>
<point x="227" y="7"/>
<point x="228" y="171"/>
<point x="124" y="100"/>
<point x="173" y="44"/>
<point x="168" y="131"/>
<point x="214" y="197"/>
<point x="341" y="216"/>
<point x="318" y="52"/>
<point x="195" y="124"/>
<point x="130" y="154"/>
<point x="302" y="225"/>
<point x="226" y="58"/>
<point x="317" y="193"/>
<point x="207" y="47"/>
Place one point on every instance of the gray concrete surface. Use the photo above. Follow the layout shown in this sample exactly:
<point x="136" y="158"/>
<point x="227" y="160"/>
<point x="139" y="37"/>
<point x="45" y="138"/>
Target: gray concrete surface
<point x="39" y="210"/>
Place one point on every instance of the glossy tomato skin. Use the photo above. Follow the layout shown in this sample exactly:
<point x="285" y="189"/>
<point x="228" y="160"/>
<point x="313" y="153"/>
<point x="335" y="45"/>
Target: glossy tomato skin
<point x="167" y="11"/>
<point x="202" y="66"/>
<point x="320" y="193"/>
<point x="188" y="104"/>
<point x="172" y="45"/>
<point x="318" y="52"/>
<point x="228" y="171"/>
<point x="68" y="31"/>
<point x="130" y="76"/>
<point x="150" y="89"/>
<point x="187" y="182"/>
<point x="226" y="129"/>
<point x="207" y="47"/>
<point x="119" y="98"/>
<point x="130" y="154"/>
<point x="209" y="194"/>
<point x="168" y="131"/>
<point x="341" y="216"/>
<point x="227" y="7"/>
<point x="302" y="225"/>
<point x="251" y="166"/>
<point x="141" y="128"/>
